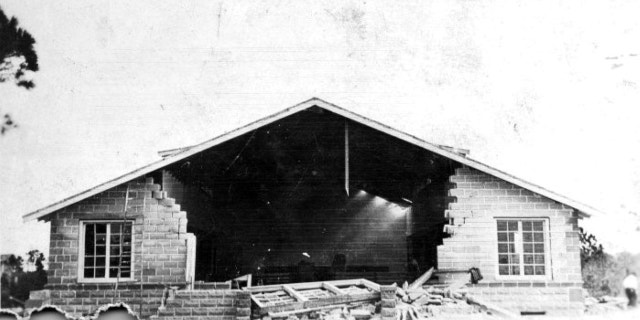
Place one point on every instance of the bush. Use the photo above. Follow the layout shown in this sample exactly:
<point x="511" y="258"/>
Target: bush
<point x="603" y="273"/>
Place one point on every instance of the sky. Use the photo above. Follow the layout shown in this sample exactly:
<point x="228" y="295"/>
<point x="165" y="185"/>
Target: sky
<point x="545" y="90"/>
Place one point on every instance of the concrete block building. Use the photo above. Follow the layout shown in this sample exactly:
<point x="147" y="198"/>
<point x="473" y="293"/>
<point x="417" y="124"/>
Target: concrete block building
<point x="312" y="193"/>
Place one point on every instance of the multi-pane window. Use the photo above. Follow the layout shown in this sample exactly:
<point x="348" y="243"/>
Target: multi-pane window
<point x="521" y="247"/>
<point x="508" y="257"/>
<point x="107" y="250"/>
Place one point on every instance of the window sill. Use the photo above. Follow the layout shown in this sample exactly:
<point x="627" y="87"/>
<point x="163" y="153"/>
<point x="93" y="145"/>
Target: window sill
<point x="524" y="279"/>
<point x="127" y="280"/>
<point x="514" y="284"/>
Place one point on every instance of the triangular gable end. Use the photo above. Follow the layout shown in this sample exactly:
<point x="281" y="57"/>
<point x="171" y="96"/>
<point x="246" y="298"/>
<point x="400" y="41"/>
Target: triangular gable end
<point x="172" y="156"/>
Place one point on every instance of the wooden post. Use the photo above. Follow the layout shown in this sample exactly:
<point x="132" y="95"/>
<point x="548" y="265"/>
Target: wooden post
<point x="422" y="279"/>
<point x="346" y="156"/>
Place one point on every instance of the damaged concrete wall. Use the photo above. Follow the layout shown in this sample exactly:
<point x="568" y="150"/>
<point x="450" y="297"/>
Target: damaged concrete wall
<point x="159" y="233"/>
<point x="85" y="299"/>
<point x="426" y="223"/>
<point x="481" y="200"/>
<point x="159" y="244"/>
<point x="208" y="304"/>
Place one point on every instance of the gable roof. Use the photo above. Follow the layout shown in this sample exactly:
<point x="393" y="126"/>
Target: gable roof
<point x="174" y="155"/>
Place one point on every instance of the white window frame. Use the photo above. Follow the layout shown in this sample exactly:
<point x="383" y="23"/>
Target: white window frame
<point x="520" y="249"/>
<point x="81" y="248"/>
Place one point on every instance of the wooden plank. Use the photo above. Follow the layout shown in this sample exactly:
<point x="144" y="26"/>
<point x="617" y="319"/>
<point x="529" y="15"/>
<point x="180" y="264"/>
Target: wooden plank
<point x="456" y="285"/>
<point x="359" y="289"/>
<point x="294" y="293"/>
<point x="258" y="303"/>
<point x="286" y="314"/>
<point x="370" y="284"/>
<point x="270" y="288"/>
<point x="494" y="309"/>
<point x="341" y="294"/>
<point x="315" y="294"/>
<point x="279" y="308"/>
<point x="346" y="156"/>
<point x="279" y="297"/>
<point x="342" y="299"/>
<point x="329" y="286"/>
<point x="318" y="284"/>
<point x="363" y="290"/>
<point x="421" y="280"/>
<point x="304" y="285"/>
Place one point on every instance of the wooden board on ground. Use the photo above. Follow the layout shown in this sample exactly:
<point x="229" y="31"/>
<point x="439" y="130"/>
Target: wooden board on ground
<point x="421" y="280"/>
<point x="308" y="295"/>
<point x="494" y="309"/>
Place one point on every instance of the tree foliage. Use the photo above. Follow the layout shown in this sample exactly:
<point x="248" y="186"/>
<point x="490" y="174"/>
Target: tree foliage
<point x="596" y="264"/>
<point x="590" y="249"/>
<point x="603" y="273"/>
<point x="13" y="264"/>
<point x="16" y="52"/>
<point x="16" y="283"/>
<point x="17" y="60"/>
<point x="36" y="258"/>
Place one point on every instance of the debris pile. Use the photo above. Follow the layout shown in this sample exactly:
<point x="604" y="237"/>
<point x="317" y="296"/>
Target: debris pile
<point x="416" y="301"/>
<point x="421" y="303"/>
<point x="352" y="311"/>
<point x="339" y="299"/>
<point x="360" y="299"/>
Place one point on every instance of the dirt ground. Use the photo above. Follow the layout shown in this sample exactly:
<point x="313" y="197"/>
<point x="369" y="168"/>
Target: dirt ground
<point x="631" y="314"/>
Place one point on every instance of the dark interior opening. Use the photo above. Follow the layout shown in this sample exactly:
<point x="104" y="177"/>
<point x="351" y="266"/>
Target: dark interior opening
<point x="276" y="202"/>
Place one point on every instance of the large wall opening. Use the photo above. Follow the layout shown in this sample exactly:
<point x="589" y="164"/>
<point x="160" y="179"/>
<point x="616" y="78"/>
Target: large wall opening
<point x="313" y="197"/>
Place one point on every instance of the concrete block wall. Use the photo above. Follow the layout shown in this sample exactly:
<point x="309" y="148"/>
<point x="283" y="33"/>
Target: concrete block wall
<point x="85" y="299"/>
<point x="208" y="304"/>
<point x="555" y="299"/>
<point x="159" y="232"/>
<point x="159" y="248"/>
<point x="480" y="200"/>
<point x="81" y="300"/>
